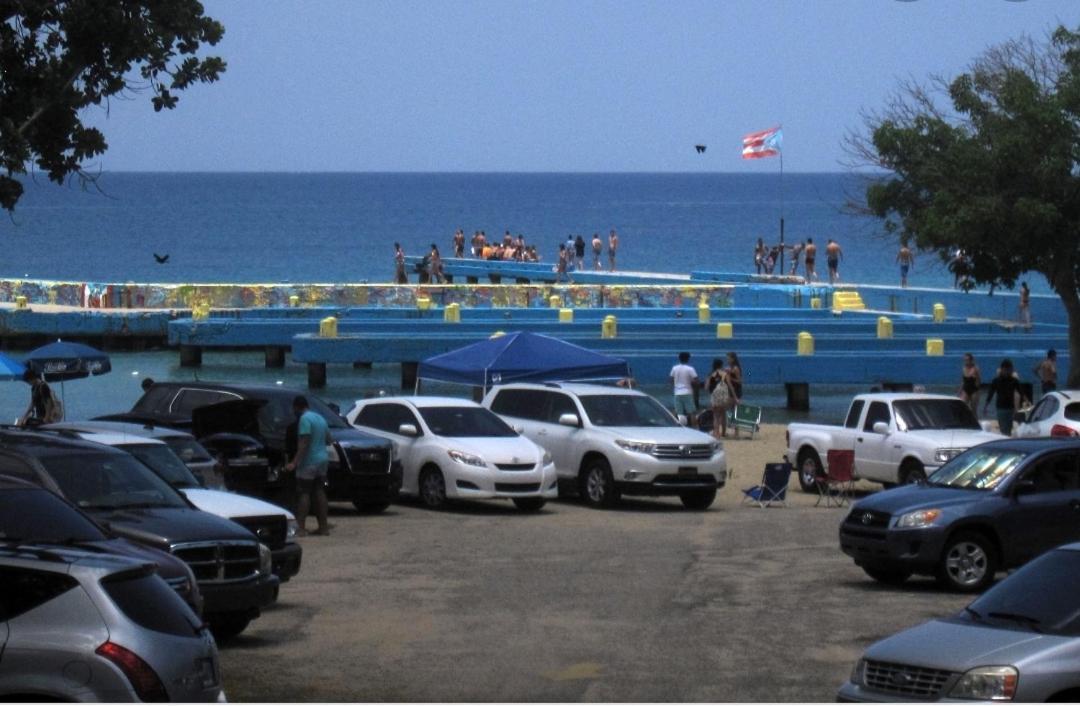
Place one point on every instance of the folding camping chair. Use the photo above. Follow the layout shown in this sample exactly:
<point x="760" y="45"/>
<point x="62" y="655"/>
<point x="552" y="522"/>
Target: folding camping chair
<point x="745" y="417"/>
<point x="836" y="486"/>
<point x="773" y="487"/>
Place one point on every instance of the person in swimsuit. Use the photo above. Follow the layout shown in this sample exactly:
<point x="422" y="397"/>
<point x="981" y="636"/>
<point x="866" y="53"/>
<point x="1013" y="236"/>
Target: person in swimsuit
<point x="1046" y="371"/>
<point x="436" y="265"/>
<point x="612" y="246"/>
<point x="833" y="256"/>
<point x="759" y="255"/>
<point x="597" y="249"/>
<point x="1025" y="305"/>
<point x="971" y="382"/>
<point x="906" y="259"/>
<point x="399" y="265"/>
<point x="796" y="250"/>
<point x="579" y="252"/>
<point x="810" y="257"/>
<point x="459" y="243"/>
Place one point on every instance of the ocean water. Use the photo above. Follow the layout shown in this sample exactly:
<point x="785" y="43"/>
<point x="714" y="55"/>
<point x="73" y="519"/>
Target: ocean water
<point x="230" y="227"/>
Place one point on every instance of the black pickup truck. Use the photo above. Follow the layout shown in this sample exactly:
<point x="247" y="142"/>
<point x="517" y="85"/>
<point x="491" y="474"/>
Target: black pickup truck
<point x="253" y="428"/>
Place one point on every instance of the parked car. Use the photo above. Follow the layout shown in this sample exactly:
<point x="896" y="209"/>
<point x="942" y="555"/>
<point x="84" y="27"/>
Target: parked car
<point x="609" y="441"/>
<point x="896" y="437"/>
<point x="993" y="507"/>
<point x="455" y="449"/>
<point x="275" y="527"/>
<point x="84" y="626"/>
<point x="30" y="514"/>
<point x="254" y="429"/>
<point x="1056" y="413"/>
<point x="1019" y="641"/>
<point x="232" y="568"/>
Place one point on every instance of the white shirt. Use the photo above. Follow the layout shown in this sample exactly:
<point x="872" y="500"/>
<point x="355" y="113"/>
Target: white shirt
<point x="684" y="376"/>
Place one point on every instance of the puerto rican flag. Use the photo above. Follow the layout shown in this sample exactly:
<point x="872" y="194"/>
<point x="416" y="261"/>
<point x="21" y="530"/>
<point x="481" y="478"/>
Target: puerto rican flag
<point x="765" y="143"/>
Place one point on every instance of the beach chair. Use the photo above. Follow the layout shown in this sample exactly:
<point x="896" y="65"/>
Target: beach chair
<point x="745" y="417"/>
<point x="836" y="486"/>
<point x="773" y="486"/>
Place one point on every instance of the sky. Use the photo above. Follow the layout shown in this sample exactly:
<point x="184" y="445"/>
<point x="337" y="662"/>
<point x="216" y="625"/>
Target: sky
<point x="551" y="85"/>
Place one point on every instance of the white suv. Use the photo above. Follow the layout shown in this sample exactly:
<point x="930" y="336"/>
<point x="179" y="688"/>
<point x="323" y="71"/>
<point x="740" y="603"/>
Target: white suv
<point x="608" y="441"/>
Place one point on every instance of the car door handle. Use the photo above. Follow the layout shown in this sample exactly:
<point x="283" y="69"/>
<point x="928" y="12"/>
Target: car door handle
<point x="859" y="439"/>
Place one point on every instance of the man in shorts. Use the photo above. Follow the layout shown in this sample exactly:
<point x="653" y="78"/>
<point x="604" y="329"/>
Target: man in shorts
<point x="906" y="259"/>
<point x="833" y="256"/>
<point x="1046" y="371"/>
<point x="810" y="257"/>
<point x="684" y="381"/>
<point x="310" y="464"/>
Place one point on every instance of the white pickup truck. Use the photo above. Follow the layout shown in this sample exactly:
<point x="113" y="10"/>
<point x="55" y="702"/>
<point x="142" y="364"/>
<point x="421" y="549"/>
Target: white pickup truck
<point x="897" y="437"/>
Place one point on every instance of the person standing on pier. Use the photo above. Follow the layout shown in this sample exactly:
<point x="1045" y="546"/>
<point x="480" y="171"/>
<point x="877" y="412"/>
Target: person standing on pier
<point x="436" y="265"/>
<point x="760" y="252"/>
<point x="597" y="249"/>
<point x="399" y="265"/>
<point x="684" y="381"/>
<point x="810" y="257"/>
<point x="612" y="247"/>
<point x="833" y="256"/>
<point x="459" y="243"/>
<point x="906" y="259"/>
<point x="579" y="252"/>
<point x="796" y="250"/>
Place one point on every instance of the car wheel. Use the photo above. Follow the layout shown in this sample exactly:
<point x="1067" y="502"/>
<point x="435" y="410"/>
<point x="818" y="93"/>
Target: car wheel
<point x="809" y="470"/>
<point x="433" y="488"/>
<point x="968" y="563"/>
<point x="912" y="472"/>
<point x="530" y="504"/>
<point x="369" y="508"/>
<point x="698" y="499"/>
<point x="887" y="575"/>
<point x="597" y="485"/>
<point x="226" y="626"/>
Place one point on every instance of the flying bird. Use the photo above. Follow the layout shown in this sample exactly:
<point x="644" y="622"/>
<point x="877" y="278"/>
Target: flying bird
<point x="161" y="259"/>
<point x="700" y="149"/>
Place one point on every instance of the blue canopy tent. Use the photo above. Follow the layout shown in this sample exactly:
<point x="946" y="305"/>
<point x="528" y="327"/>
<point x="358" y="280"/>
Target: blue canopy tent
<point x="521" y="357"/>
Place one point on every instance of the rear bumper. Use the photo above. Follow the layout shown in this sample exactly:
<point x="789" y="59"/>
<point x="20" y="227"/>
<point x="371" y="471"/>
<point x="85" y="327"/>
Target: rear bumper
<point x="286" y="561"/>
<point x="243" y="596"/>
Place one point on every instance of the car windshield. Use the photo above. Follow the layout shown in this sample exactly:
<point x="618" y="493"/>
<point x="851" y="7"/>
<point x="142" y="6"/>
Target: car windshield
<point x="912" y="415"/>
<point x="978" y="468"/>
<point x="36" y="515"/>
<point x="464" y="422"/>
<point x="626" y="411"/>
<point x="97" y="481"/>
<point x="160" y="459"/>
<point x="188" y="450"/>
<point x="1039" y="597"/>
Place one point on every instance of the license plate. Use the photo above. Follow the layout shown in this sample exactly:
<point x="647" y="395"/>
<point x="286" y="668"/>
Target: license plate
<point x="687" y="470"/>
<point x="207" y="673"/>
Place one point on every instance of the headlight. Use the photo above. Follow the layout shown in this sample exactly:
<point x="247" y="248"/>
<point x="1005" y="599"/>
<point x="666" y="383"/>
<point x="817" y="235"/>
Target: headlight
<point x="987" y="684"/>
<point x="547" y="458"/>
<point x="857" y="673"/>
<point x="946" y="455"/>
<point x="291" y="528"/>
<point x="919" y="518"/>
<point x="467" y="459"/>
<point x="641" y="447"/>
<point x="266" y="560"/>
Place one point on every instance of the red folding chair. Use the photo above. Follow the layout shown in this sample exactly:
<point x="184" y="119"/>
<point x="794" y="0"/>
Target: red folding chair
<point x="838" y="483"/>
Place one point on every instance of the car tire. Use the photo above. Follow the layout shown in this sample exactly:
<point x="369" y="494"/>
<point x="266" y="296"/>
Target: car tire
<point x="698" y="499"/>
<point x="597" y="486"/>
<point x="887" y="575"/>
<point x="809" y="470"/>
<point x="912" y="472"/>
<point x="369" y="508"/>
<point x="226" y="626"/>
<point x="530" y="504"/>
<point x="433" y="488"/>
<point x="968" y="563"/>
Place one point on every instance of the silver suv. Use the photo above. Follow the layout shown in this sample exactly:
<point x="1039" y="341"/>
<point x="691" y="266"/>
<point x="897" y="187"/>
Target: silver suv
<point x="77" y="626"/>
<point x="609" y="441"/>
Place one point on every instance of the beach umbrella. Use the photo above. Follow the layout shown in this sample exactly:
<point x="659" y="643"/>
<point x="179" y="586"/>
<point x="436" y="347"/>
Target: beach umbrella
<point x="11" y="369"/>
<point x="67" y="361"/>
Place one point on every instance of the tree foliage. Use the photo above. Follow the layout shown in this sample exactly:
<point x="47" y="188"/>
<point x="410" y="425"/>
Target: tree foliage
<point x="59" y="57"/>
<point x="994" y="171"/>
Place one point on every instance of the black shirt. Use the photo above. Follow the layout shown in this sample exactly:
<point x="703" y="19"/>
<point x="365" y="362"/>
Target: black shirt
<point x="1005" y="387"/>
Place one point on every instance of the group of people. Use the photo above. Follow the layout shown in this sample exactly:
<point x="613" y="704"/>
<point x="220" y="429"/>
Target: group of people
<point x="767" y="258"/>
<point x="429" y="269"/>
<point x="724" y="385"/>
<point x="1006" y="389"/>
<point x="572" y="254"/>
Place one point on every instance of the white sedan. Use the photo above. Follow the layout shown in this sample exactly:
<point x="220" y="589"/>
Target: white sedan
<point x="455" y="449"/>
<point x="1056" y="414"/>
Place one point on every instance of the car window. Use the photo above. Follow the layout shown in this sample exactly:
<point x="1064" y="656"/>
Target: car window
<point x="912" y="415"/>
<point x="35" y="514"/>
<point x="1040" y="596"/>
<point x="160" y="459"/>
<point x="1072" y="411"/>
<point x="626" y="411"/>
<point x="1038" y="412"/>
<point x="852" y="421"/>
<point x="22" y="590"/>
<point x="464" y="422"/>
<point x="878" y="412"/>
<point x="386" y="416"/>
<point x="1047" y="407"/>
<point x="978" y="468"/>
<point x="190" y="398"/>
<point x="522" y="404"/>
<point x="558" y="405"/>
<point x="11" y="466"/>
<point x="148" y="601"/>
<point x="277" y="414"/>
<point x="1057" y="473"/>
<point x="109" y="481"/>
<point x="156" y="399"/>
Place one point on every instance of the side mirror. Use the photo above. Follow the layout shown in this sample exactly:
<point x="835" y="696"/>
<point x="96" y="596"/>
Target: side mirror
<point x="408" y="430"/>
<point x="569" y="420"/>
<point x="881" y="428"/>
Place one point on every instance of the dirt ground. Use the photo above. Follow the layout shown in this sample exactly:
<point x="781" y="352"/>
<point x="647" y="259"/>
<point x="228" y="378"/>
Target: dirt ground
<point x="646" y="602"/>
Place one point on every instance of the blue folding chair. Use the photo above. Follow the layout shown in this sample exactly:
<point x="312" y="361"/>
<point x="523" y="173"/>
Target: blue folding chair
<point x="773" y="487"/>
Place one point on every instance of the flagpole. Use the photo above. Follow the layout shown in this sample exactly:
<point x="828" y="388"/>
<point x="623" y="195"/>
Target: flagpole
<point x="781" y="210"/>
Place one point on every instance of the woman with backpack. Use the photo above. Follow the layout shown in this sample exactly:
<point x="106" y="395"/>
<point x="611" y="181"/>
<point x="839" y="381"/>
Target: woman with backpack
<point x="721" y="396"/>
<point x="44" y="407"/>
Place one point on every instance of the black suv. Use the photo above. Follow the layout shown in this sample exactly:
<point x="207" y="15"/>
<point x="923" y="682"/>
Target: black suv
<point x="253" y="427"/>
<point x="993" y="507"/>
<point x="125" y="497"/>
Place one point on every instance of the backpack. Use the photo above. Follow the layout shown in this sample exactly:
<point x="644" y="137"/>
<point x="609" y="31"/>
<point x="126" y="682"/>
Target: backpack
<point x="721" y="394"/>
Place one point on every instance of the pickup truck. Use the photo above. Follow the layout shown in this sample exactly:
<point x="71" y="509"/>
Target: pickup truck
<point x="897" y="438"/>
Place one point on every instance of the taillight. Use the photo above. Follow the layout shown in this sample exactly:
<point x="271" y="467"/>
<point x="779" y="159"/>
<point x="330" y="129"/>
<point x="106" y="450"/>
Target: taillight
<point x="1062" y="430"/>
<point x="143" y="678"/>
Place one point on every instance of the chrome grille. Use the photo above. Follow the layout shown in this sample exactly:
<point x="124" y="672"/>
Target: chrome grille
<point x="515" y="466"/>
<point x="220" y="562"/>
<point x="270" y="529"/>
<point x="367" y="460"/>
<point x="683" y="452"/>
<point x="905" y="679"/>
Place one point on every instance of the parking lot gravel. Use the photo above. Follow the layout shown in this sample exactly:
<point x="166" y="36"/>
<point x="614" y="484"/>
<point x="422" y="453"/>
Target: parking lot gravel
<point x="646" y="602"/>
